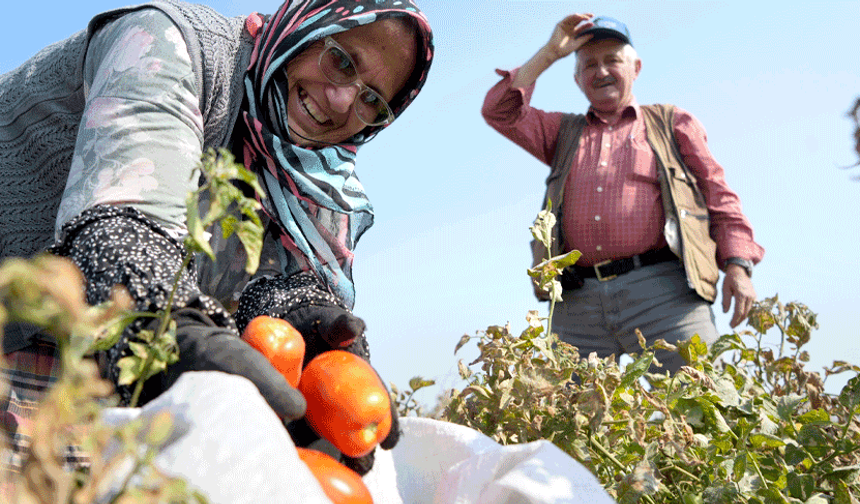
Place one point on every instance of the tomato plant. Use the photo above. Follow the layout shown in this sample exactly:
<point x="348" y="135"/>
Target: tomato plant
<point x="347" y="402"/>
<point x="341" y="484"/>
<point x="280" y="343"/>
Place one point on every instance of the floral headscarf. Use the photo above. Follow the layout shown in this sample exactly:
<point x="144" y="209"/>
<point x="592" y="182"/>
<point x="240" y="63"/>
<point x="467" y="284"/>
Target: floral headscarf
<point x="314" y="194"/>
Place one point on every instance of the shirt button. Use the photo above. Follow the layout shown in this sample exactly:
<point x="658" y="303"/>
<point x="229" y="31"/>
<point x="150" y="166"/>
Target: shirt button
<point x="607" y="145"/>
<point x="603" y="163"/>
<point x="600" y="189"/>
<point x="610" y="128"/>
<point x="597" y="217"/>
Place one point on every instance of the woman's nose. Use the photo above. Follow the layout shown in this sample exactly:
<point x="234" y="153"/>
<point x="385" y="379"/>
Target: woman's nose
<point x="341" y="97"/>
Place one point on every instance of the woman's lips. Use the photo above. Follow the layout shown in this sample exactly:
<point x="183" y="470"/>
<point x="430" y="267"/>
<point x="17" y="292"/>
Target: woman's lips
<point x="311" y="108"/>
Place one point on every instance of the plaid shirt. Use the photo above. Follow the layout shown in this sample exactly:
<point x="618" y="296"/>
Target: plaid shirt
<point x="29" y="373"/>
<point x="612" y="206"/>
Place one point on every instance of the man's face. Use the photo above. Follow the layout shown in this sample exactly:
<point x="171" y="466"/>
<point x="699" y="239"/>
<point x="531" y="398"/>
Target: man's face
<point x="605" y="72"/>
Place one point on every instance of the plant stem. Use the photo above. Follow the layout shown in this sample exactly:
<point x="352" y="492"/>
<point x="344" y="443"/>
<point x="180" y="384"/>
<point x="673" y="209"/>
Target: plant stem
<point x="603" y="451"/>
<point x="549" y="319"/>
<point x="682" y="471"/>
<point x="162" y="326"/>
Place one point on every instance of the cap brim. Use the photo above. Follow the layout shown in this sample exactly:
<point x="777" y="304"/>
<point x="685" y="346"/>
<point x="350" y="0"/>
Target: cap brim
<point x="603" y="33"/>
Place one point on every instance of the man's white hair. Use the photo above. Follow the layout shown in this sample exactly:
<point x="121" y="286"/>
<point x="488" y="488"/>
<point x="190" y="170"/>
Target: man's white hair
<point x="627" y="51"/>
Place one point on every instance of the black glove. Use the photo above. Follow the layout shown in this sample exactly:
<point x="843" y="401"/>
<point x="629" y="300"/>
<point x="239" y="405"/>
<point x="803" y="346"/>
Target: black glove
<point x="326" y="328"/>
<point x="203" y="346"/>
<point x="326" y="324"/>
<point x="121" y="246"/>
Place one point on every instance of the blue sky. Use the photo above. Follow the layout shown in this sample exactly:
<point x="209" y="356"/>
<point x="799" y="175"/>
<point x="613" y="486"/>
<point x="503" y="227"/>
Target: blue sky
<point x="448" y="253"/>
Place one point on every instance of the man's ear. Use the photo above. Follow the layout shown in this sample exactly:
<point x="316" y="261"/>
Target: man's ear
<point x="638" y="65"/>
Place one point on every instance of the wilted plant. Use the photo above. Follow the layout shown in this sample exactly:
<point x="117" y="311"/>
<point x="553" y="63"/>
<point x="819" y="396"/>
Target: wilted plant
<point x="48" y="291"/>
<point x="741" y="423"/>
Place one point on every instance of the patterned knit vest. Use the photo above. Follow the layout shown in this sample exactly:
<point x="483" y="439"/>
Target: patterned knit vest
<point x="42" y="101"/>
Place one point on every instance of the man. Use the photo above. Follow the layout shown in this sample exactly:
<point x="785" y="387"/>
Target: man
<point x="637" y="191"/>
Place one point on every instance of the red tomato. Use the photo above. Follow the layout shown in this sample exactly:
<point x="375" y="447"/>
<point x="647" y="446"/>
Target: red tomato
<point x="341" y="484"/>
<point x="347" y="402"/>
<point x="280" y="343"/>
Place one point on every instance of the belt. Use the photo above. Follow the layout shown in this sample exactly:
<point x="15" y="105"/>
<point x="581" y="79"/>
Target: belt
<point x="607" y="270"/>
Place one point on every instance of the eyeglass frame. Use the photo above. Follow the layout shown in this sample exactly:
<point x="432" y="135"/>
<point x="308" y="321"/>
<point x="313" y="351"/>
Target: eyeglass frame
<point x="329" y="44"/>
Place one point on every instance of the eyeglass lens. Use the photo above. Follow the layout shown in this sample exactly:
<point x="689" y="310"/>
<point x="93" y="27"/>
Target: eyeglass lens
<point x="338" y="67"/>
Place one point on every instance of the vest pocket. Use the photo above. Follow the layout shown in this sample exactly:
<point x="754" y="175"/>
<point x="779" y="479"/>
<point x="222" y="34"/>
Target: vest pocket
<point x="700" y="251"/>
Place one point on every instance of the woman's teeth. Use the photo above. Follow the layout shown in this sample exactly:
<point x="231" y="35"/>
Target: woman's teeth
<point x="311" y="108"/>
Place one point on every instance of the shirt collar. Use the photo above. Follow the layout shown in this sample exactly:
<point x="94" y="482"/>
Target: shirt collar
<point x="630" y="111"/>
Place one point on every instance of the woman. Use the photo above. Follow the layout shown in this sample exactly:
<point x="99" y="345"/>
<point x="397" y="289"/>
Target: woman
<point x="129" y="106"/>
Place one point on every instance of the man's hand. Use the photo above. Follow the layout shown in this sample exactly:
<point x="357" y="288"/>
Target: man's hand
<point x="737" y="285"/>
<point x="565" y="37"/>
<point x="562" y="42"/>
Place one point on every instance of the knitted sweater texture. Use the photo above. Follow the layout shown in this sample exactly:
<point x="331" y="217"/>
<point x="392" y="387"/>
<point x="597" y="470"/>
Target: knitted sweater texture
<point x="42" y="102"/>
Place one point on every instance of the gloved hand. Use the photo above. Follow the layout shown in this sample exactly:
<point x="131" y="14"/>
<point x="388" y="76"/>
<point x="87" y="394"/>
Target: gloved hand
<point x="326" y="328"/>
<point x="326" y="324"/>
<point x="204" y="346"/>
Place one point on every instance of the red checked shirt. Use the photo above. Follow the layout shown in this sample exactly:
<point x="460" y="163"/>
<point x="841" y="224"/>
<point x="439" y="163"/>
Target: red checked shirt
<point x="612" y="204"/>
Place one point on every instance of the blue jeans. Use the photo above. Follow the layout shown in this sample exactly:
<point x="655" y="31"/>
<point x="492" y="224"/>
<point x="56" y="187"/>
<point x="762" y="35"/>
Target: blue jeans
<point x="601" y="317"/>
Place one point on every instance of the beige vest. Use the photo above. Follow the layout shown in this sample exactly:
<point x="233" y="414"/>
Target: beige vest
<point x="683" y="203"/>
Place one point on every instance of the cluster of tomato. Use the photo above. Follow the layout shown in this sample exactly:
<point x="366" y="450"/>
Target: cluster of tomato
<point x="347" y="403"/>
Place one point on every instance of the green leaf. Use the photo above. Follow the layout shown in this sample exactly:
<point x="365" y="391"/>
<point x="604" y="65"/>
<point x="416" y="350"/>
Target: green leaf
<point x="794" y="455"/>
<point x="251" y="235"/>
<point x="713" y="415"/>
<point x="112" y="331"/>
<point x="816" y="416"/>
<point x="477" y="390"/>
<point x="739" y="467"/>
<point x="724" y="387"/>
<point x="815" y="442"/>
<point x="799" y="486"/>
<point x="637" y="369"/>
<point x="418" y="383"/>
<point x="850" y="394"/>
<point x="129" y="369"/>
<point x="787" y="405"/>
<point x="772" y="496"/>
<point x="139" y="349"/>
<point x="159" y="428"/>
<point x="843" y="494"/>
<point x="196" y="241"/>
<point x="568" y="259"/>
<point x="693" y="499"/>
<point x="848" y="473"/>
<point x="541" y="344"/>
<point x="766" y="441"/>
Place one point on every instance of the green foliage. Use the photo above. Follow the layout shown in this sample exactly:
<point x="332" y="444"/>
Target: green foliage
<point x="405" y="401"/>
<point x="227" y="206"/>
<point x="49" y="292"/>
<point x="739" y="423"/>
<point x="221" y="189"/>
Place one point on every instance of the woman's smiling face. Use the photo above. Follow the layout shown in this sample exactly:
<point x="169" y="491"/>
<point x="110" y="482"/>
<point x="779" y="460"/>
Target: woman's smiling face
<point x="322" y="112"/>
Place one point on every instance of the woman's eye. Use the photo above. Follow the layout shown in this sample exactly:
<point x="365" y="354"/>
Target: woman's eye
<point x="341" y="60"/>
<point x="371" y="99"/>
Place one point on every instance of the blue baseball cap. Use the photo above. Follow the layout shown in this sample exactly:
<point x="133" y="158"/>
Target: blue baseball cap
<point x="606" y="27"/>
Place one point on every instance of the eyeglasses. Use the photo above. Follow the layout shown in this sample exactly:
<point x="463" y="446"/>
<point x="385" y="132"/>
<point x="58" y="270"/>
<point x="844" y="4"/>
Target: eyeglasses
<point x="336" y="64"/>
